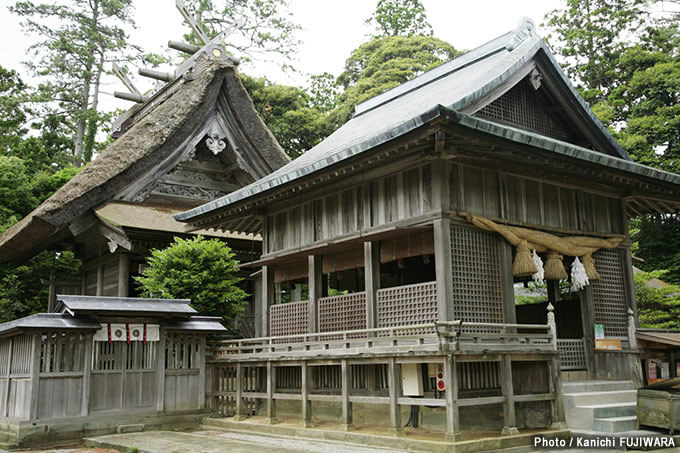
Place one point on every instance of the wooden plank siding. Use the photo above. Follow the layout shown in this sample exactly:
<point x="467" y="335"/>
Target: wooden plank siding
<point x="390" y="198"/>
<point x="530" y="201"/>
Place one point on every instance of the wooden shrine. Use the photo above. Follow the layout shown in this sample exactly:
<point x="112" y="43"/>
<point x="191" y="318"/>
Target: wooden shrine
<point x="102" y="365"/>
<point x="195" y="139"/>
<point x="392" y="251"/>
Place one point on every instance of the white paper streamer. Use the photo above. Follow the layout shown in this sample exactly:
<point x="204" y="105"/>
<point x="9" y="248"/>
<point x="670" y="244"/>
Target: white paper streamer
<point x="539" y="275"/>
<point x="579" y="278"/>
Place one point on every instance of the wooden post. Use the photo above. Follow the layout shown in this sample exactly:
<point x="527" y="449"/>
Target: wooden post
<point x="160" y="372"/>
<point x="588" y="320"/>
<point x="371" y="281"/>
<point x="8" y="386"/>
<point x="267" y="297"/>
<point x="306" y="404"/>
<point x="87" y="373"/>
<point x="453" y="433"/>
<point x="347" y="422"/>
<point x="202" y="350"/>
<point x="257" y="305"/>
<point x="123" y="274"/>
<point x="507" y="283"/>
<point x="552" y="325"/>
<point x="509" y="418"/>
<point x="35" y="376"/>
<point x="557" y="406"/>
<point x="100" y="274"/>
<point x="240" y="416"/>
<point x="214" y="387"/>
<point x="52" y="293"/>
<point x="629" y="282"/>
<point x="271" y="388"/>
<point x="443" y="269"/>
<point x="395" y="410"/>
<point x="315" y="284"/>
<point x="632" y="340"/>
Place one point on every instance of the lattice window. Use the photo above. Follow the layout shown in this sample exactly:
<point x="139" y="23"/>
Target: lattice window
<point x="609" y="293"/>
<point x="289" y="319"/>
<point x="522" y="106"/>
<point x="62" y="352"/>
<point x="345" y="312"/>
<point x="572" y="353"/>
<point x="407" y="305"/>
<point x="476" y="265"/>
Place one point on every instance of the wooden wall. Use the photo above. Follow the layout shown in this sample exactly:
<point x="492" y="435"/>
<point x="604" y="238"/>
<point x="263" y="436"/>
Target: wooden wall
<point x="532" y="201"/>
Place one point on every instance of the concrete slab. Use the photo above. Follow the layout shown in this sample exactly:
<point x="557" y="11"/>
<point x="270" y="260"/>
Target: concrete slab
<point x="219" y="442"/>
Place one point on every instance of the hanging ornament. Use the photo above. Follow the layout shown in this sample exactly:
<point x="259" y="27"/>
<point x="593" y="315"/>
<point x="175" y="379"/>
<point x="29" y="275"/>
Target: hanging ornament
<point x="579" y="278"/>
<point x="554" y="268"/>
<point x="539" y="275"/>
<point x="523" y="266"/>
<point x="589" y="263"/>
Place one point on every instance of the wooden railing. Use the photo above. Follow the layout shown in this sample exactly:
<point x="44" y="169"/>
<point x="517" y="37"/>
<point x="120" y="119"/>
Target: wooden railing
<point x="448" y="336"/>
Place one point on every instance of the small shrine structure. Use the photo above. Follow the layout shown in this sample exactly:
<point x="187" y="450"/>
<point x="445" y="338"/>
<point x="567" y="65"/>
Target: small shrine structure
<point x="392" y="251"/>
<point x="101" y="365"/>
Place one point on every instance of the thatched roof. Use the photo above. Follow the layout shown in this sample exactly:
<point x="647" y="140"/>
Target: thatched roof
<point x="149" y="141"/>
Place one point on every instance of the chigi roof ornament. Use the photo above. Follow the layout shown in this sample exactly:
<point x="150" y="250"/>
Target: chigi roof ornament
<point x="525" y="28"/>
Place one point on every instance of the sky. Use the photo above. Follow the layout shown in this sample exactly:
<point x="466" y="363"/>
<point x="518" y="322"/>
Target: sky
<point x="330" y="31"/>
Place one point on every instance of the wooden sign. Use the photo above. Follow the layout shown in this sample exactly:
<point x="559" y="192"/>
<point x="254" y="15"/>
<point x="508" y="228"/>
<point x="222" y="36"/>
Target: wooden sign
<point x="608" y="344"/>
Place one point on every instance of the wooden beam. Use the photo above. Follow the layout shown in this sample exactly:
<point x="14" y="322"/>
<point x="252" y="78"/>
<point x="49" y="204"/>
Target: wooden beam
<point x="443" y="269"/>
<point x="315" y="285"/>
<point x="305" y="391"/>
<point x="395" y="409"/>
<point x="451" y="393"/>
<point x="346" y="380"/>
<point x="371" y="281"/>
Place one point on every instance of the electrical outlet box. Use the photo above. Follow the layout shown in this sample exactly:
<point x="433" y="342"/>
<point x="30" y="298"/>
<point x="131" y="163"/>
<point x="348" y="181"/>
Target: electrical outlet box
<point x="412" y="379"/>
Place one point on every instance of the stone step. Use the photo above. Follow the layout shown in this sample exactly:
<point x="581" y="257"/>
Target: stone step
<point x="613" y="410"/>
<point x="596" y="386"/>
<point x="615" y="424"/>
<point x="593" y="398"/>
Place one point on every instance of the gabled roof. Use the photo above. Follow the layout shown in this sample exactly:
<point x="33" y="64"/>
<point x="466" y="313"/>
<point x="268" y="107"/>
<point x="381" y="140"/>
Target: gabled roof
<point x="461" y="87"/>
<point x="122" y="306"/>
<point x="56" y="321"/>
<point x="164" y="132"/>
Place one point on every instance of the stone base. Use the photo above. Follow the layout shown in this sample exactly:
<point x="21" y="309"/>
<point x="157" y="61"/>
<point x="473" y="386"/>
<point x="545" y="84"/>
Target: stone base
<point x="558" y="425"/>
<point x="509" y="431"/>
<point x="397" y="432"/>
<point x="454" y="437"/>
<point x="240" y="418"/>
<point x="271" y="421"/>
<point x="346" y="427"/>
<point x="307" y="424"/>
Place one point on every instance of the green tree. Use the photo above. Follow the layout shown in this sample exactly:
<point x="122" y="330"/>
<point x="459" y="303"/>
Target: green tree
<point x="198" y="269"/>
<point x="16" y="192"/>
<point x="76" y="40"/>
<point x="13" y="94"/>
<point x="260" y="29"/>
<point x="296" y="119"/>
<point x="656" y="239"/>
<point x="400" y="18"/>
<point x="658" y="306"/>
<point x="384" y="63"/>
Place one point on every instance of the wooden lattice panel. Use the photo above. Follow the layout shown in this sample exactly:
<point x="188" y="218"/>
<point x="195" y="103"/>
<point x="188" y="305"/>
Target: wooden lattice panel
<point x="345" y="312"/>
<point x="476" y="266"/>
<point x="523" y="107"/>
<point x="609" y="293"/>
<point x="572" y="353"/>
<point x="289" y="319"/>
<point x="407" y="305"/>
<point x="478" y="376"/>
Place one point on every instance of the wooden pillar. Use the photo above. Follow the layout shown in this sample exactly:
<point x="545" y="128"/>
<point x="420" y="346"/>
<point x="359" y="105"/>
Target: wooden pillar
<point x="87" y="371"/>
<point x="123" y="274"/>
<point x="202" y="375"/>
<point x="553" y="287"/>
<point x="240" y="416"/>
<point x="257" y="304"/>
<point x="214" y="388"/>
<point x="507" y="282"/>
<point x="35" y="376"/>
<point x="267" y="297"/>
<point x="557" y="405"/>
<point x="629" y="282"/>
<point x="588" y="321"/>
<point x="160" y="372"/>
<point x="347" y="421"/>
<point x="509" y="418"/>
<point x="315" y="284"/>
<point x="451" y="393"/>
<point x="8" y="386"/>
<point x="271" y="388"/>
<point x="395" y="410"/>
<point x="371" y="281"/>
<point x="306" y="404"/>
<point x="443" y="269"/>
<point x="100" y="278"/>
<point x="52" y="294"/>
